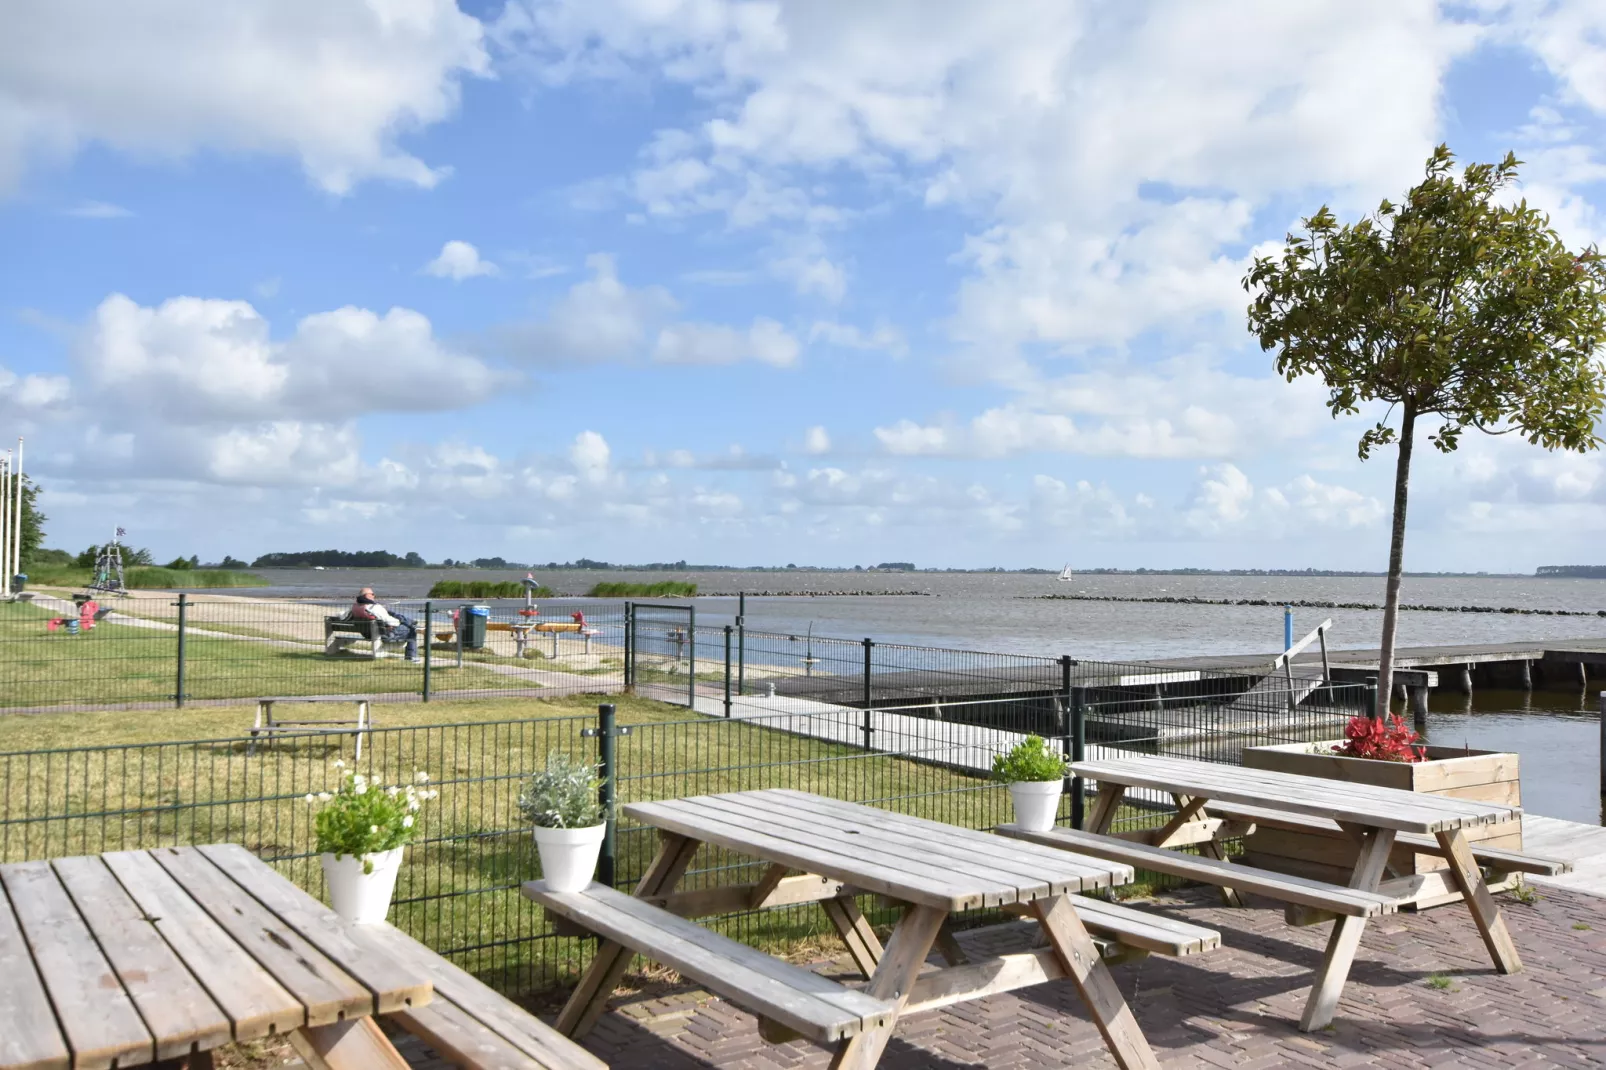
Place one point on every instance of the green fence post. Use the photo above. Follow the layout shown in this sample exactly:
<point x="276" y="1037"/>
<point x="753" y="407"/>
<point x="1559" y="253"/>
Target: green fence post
<point x="630" y="648"/>
<point x="183" y="605"/>
<point x="741" y="643"/>
<point x="1078" y="753"/>
<point x="607" y="770"/>
<point x="728" y="630"/>
<point x="1064" y="727"/>
<point x="429" y="641"/>
<point x="691" y="657"/>
<point x="869" y="647"/>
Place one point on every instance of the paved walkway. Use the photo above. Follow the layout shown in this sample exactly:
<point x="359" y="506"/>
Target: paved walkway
<point x="1422" y="994"/>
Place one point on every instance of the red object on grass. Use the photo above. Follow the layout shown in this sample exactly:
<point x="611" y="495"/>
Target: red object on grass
<point x="1389" y="740"/>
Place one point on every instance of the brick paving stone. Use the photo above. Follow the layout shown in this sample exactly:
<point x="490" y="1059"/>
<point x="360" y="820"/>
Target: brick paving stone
<point x="1237" y="1007"/>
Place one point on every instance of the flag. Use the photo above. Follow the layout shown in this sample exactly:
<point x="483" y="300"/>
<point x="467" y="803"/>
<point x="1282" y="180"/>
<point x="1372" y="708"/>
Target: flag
<point x="121" y="533"/>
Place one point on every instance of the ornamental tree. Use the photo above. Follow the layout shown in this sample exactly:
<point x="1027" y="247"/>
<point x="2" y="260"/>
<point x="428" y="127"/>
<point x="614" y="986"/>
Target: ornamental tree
<point x="1451" y="305"/>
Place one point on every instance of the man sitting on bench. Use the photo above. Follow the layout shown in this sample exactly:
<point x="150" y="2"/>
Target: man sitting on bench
<point x="399" y="627"/>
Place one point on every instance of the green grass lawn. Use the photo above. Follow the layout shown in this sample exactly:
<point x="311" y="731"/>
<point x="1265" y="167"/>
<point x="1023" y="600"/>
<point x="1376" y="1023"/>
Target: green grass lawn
<point x="146" y="577"/>
<point x="115" y="663"/>
<point x="77" y="783"/>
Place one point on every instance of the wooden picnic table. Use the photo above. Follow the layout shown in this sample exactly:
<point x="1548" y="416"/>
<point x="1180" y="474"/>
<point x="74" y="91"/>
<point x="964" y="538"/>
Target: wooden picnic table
<point x="1372" y="816"/>
<point x="836" y="850"/>
<point x="156" y="957"/>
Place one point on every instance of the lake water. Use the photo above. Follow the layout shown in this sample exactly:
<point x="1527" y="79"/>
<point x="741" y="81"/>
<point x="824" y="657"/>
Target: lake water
<point x="1557" y="733"/>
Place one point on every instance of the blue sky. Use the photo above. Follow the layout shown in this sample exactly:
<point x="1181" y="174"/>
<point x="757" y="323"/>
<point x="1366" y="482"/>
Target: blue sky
<point x="745" y="282"/>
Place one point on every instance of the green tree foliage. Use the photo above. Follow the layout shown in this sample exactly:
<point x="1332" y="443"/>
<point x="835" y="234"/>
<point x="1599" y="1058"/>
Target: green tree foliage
<point x="1451" y="304"/>
<point x="33" y="521"/>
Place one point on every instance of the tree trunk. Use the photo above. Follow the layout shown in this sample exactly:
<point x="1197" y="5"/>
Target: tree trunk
<point x="1391" y="602"/>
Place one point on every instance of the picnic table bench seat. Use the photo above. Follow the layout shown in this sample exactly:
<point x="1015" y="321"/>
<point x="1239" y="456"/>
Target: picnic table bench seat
<point x="1128" y="929"/>
<point x="267" y="726"/>
<point x="470" y="1024"/>
<point x="1352" y="902"/>
<point x="1498" y="859"/>
<point x="789" y="996"/>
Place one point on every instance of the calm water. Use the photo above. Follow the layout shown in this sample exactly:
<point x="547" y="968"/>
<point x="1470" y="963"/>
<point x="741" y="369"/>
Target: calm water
<point x="1000" y="612"/>
<point x="1556" y="733"/>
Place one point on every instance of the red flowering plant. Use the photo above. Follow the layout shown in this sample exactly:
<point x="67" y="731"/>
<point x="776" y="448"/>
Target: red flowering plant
<point x="1381" y="740"/>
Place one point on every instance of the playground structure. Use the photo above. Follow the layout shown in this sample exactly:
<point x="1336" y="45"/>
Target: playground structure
<point x="89" y="614"/>
<point x="108" y="574"/>
<point x="11" y="511"/>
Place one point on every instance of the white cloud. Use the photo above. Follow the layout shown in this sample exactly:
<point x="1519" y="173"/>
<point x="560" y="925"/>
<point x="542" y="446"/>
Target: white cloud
<point x="459" y="260"/>
<point x="25" y="399"/>
<point x="816" y="441"/>
<point x="1225" y="502"/>
<point x="590" y="456"/>
<point x="598" y="319"/>
<point x="333" y="83"/>
<point x="98" y="210"/>
<point x="198" y="361"/>
<point x="882" y="336"/>
<point x="706" y="343"/>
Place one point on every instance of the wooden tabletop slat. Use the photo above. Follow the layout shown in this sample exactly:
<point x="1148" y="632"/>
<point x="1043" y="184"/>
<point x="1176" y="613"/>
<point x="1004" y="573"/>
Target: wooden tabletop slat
<point x="328" y="993"/>
<point x="908" y="858"/>
<point x="30" y="1039"/>
<point x="685" y="817"/>
<point x="394" y="984"/>
<point x="96" y="1015"/>
<point x="1060" y="868"/>
<point x="253" y="1001"/>
<point x="1363" y="804"/>
<point x="176" y="1008"/>
<point x="854" y="843"/>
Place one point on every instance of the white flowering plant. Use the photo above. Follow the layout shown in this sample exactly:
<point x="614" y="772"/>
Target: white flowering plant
<point x="363" y="817"/>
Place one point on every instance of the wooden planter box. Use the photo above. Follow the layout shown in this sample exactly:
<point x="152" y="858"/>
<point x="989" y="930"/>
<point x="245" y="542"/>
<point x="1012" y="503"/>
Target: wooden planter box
<point x="1486" y="776"/>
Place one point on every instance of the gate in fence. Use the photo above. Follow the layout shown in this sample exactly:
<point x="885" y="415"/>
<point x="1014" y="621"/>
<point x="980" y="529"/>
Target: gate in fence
<point x="660" y="646"/>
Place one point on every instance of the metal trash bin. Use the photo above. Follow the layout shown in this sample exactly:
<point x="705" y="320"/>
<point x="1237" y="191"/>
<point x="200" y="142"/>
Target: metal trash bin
<point x="471" y="622"/>
<point x="18" y="582"/>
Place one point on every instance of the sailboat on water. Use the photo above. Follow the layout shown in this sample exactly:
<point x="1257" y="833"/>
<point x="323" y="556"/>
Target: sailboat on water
<point x="1066" y="575"/>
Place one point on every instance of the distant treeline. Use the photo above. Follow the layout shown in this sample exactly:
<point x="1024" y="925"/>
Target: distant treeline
<point x="484" y="589"/>
<point x="339" y="559"/>
<point x="666" y="589"/>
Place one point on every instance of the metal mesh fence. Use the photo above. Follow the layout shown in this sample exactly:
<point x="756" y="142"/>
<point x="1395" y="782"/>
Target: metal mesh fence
<point x="155" y="649"/>
<point x="458" y="890"/>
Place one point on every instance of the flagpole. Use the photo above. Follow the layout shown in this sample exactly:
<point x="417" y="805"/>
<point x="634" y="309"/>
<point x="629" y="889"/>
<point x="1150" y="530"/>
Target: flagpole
<point x="16" y="518"/>
<point x="5" y="523"/>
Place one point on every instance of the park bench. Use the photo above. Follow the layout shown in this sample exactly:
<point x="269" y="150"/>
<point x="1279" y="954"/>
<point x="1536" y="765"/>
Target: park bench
<point x="343" y="632"/>
<point x="783" y="996"/>
<point x="357" y="727"/>
<point x="1351" y="902"/>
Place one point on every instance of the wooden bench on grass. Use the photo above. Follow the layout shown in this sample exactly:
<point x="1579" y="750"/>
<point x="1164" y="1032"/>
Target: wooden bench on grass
<point x="787" y="999"/>
<point x="1423" y="889"/>
<point x="268" y="727"/>
<point x="1319" y="895"/>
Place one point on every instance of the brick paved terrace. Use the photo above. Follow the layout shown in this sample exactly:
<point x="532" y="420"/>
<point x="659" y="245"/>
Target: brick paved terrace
<point x="1422" y="994"/>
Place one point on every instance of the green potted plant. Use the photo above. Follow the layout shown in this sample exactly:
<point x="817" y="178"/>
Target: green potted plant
<point x="362" y="830"/>
<point x="1036" y="778"/>
<point x="564" y="805"/>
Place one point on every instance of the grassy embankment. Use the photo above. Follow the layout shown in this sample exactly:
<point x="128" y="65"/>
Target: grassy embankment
<point x="474" y="849"/>
<point x="484" y="589"/>
<point x="662" y="589"/>
<point x="145" y="577"/>
<point x="117" y="663"/>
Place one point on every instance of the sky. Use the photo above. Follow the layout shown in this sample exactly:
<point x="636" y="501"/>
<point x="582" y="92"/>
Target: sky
<point x="826" y="282"/>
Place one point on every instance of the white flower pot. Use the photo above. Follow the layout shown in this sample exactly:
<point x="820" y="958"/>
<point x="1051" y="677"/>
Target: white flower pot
<point x="358" y="897"/>
<point x="1036" y="803"/>
<point x="569" y="856"/>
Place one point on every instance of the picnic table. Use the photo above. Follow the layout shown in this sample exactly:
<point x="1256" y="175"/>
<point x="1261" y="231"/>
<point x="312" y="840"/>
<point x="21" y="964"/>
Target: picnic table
<point x="828" y="851"/>
<point x="1373" y="816"/>
<point x="156" y="957"/>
